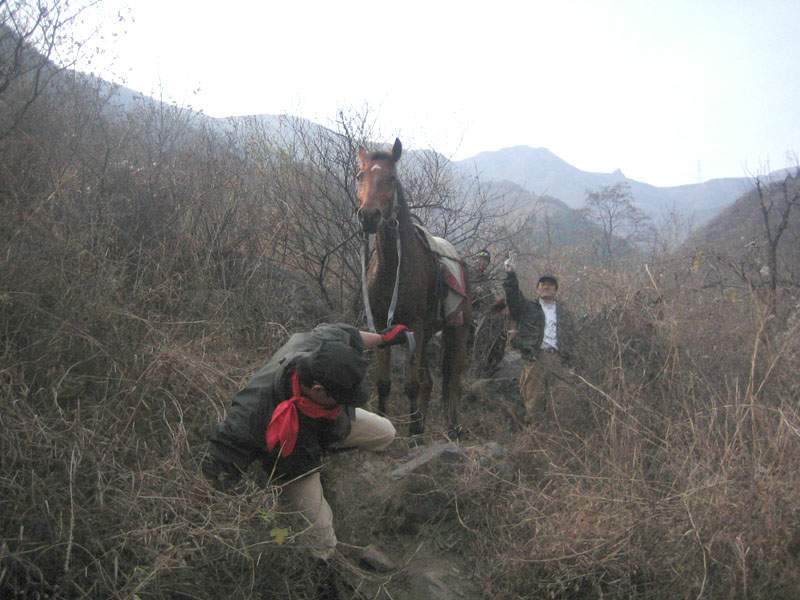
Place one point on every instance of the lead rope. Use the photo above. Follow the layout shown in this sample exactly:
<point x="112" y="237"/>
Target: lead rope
<point x="393" y="305"/>
<point x="365" y="292"/>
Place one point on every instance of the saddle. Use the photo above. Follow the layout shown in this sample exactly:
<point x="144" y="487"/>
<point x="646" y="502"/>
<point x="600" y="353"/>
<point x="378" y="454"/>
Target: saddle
<point x="451" y="278"/>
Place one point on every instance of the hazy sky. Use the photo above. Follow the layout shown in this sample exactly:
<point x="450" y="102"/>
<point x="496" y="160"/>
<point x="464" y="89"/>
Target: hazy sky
<point x="668" y="91"/>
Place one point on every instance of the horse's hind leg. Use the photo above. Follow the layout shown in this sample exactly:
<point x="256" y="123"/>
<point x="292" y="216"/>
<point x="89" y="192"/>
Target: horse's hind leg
<point x="454" y="359"/>
<point x="383" y="377"/>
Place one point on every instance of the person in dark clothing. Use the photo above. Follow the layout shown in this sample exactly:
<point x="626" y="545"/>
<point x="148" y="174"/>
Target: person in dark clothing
<point x="487" y="333"/>
<point x="304" y="400"/>
<point x="483" y="287"/>
<point x="545" y="339"/>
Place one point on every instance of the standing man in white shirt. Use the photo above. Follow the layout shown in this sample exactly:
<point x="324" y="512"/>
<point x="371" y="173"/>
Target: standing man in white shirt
<point x="544" y="338"/>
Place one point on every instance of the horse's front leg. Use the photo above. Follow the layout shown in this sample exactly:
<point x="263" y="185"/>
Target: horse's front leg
<point x="383" y="377"/>
<point x="415" y="383"/>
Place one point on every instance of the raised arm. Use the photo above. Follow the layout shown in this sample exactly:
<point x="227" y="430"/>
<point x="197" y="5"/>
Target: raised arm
<point x="371" y="340"/>
<point x="514" y="298"/>
<point x="388" y="337"/>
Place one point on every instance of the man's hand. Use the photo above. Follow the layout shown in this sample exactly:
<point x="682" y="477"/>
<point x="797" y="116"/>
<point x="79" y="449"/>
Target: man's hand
<point x="392" y="336"/>
<point x="222" y="476"/>
<point x="497" y="306"/>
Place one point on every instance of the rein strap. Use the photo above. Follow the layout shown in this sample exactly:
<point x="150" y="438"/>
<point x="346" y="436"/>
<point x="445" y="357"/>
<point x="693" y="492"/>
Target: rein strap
<point x="395" y="291"/>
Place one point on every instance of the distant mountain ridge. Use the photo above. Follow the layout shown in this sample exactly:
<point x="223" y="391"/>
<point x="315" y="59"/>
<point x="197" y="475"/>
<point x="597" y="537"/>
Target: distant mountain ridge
<point x="540" y="171"/>
<point x="536" y="170"/>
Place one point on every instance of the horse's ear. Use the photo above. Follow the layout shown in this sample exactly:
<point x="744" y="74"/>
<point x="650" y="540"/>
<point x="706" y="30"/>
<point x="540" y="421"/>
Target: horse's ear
<point x="397" y="150"/>
<point x="363" y="155"/>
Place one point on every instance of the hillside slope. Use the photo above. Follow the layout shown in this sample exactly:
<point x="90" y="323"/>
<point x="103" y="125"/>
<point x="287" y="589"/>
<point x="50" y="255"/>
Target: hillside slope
<point x="739" y="232"/>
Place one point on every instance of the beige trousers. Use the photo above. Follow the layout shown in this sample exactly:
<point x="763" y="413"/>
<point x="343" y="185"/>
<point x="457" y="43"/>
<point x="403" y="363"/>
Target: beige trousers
<point x="542" y="384"/>
<point x="305" y="496"/>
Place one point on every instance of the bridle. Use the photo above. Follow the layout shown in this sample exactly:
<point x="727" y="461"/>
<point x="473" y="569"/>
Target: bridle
<point x="392" y="223"/>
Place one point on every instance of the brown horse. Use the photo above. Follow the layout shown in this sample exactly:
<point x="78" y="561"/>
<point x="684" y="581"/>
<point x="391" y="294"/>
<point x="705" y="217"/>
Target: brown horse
<point x="383" y="211"/>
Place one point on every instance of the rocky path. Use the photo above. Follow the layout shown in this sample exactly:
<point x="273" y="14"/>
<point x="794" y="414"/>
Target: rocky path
<point x="398" y="509"/>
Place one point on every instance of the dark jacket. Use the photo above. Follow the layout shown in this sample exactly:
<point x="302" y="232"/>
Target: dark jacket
<point x="529" y="317"/>
<point x="483" y="289"/>
<point x="241" y="437"/>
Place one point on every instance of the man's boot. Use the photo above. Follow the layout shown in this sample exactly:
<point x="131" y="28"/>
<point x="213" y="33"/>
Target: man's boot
<point x="332" y="585"/>
<point x="326" y="588"/>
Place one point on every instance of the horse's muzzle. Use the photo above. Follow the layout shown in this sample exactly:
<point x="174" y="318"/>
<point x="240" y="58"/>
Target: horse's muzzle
<point x="370" y="219"/>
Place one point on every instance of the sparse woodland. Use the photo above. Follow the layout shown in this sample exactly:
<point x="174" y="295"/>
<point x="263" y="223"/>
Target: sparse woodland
<point x="149" y="263"/>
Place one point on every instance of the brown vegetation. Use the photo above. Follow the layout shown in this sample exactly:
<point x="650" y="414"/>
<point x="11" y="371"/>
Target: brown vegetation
<point x="150" y="263"/>
<point x="670" y="474"/>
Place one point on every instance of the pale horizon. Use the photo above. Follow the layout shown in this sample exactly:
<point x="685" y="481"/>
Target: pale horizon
<point x="668" y="94"/>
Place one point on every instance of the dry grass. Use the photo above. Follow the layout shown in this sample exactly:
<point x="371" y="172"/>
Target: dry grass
<point x="655" y="481"/>
<point x="132" y="305"/>
<point x="144" y="277"/>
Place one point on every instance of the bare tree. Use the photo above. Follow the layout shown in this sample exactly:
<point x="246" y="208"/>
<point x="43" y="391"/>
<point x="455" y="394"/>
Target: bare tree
<point x="459" y="208"/>
<point x="310" y="171"/>
<point x="776" y="203"/>
<point x="611" y="208"/>
<point x="38" y="41"/>
<point x="671" y="230"/>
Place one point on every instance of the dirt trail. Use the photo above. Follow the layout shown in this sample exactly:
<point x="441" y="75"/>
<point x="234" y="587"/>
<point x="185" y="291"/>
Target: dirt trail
<point x="427" y="553"/>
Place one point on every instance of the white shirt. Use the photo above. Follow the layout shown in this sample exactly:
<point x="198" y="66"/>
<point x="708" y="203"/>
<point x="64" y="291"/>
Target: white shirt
<point x="550" y="339"/>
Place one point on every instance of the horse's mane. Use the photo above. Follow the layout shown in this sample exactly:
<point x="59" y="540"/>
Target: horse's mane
<point x="401" y="200"/>
<point x="401" y="197"/>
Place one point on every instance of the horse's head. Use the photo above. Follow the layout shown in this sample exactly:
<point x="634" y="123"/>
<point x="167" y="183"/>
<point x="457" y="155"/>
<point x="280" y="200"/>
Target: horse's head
<point x="377" y="186"/>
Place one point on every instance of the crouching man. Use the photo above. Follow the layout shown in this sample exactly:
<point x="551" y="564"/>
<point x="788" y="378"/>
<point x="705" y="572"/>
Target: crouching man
<point x="305" y="399"/>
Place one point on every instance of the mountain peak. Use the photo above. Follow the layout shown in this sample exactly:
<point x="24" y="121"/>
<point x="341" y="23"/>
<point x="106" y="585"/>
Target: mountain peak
<point x="521" y="150"/>
<point x="541" y="172"/>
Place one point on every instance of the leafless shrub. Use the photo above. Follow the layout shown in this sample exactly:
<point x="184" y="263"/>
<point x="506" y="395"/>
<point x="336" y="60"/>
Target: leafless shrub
<point x="676" y="482"/>
<point x="150" y="263"/>
<point x="619" y="221"/>
<point x="140" y="286"/>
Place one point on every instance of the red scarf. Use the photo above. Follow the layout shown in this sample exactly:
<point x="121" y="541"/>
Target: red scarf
<point x="285" y="423"/>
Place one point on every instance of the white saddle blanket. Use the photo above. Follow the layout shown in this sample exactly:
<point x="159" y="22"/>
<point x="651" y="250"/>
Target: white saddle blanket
<point x="453" y="272"/>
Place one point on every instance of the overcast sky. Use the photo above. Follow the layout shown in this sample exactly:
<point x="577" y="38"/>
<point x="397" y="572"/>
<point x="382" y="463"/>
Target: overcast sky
<point x="669" y="92"/>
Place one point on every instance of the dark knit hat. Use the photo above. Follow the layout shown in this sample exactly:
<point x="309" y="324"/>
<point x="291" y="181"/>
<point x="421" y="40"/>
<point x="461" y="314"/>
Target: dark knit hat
<point x="548" y="279"/>
<point x="340" y="369"/>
